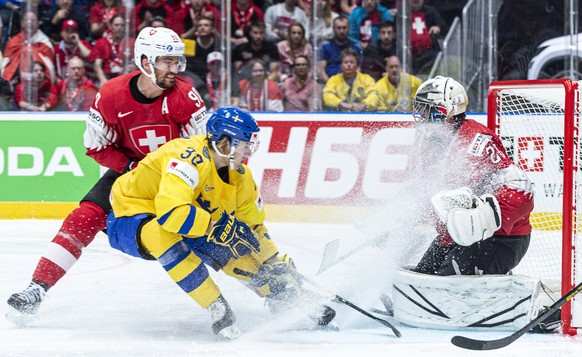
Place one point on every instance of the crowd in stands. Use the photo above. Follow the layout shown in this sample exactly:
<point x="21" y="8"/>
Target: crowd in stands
<point x="55" y="54"/>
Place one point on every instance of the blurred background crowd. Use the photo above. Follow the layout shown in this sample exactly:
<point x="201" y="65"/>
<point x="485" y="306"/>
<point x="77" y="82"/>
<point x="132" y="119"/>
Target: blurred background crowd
<point x="287" y="55"/>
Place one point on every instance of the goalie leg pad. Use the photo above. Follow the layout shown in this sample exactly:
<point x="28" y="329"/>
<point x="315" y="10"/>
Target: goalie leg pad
<point x="500" y="302"/>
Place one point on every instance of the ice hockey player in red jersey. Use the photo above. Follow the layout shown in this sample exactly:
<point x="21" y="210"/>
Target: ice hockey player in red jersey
<point x="131" y="116"/>
<point x="485" y="200"/>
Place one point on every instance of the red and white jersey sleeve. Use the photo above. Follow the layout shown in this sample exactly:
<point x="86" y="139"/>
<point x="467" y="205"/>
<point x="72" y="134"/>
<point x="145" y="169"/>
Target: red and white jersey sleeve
<point x="121" y="129"/>
<point x="487" y="169"/>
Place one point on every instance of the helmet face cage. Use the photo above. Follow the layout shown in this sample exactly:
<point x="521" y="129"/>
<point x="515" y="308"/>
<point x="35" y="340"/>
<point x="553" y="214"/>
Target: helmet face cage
<point x="439" y="99"/>
<point x="424" y="112"/>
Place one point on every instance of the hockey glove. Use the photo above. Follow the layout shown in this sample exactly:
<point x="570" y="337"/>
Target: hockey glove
<point x="278" y="280"/>
<point x="468" y="226"/>
<point x="229" y="232"/>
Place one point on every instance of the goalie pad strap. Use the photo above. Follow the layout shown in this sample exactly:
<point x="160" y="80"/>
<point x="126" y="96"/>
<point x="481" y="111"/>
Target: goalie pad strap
<point x="499" y="302"/>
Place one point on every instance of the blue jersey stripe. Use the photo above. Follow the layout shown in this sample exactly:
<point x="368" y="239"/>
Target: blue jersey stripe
<point x="188" y="222"/>
<point x="164" y="218"/>
<point x="194" y="279"/>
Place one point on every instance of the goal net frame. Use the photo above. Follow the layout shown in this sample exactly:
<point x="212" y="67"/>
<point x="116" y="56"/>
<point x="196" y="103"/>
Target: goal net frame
<point x="523" y="102"/>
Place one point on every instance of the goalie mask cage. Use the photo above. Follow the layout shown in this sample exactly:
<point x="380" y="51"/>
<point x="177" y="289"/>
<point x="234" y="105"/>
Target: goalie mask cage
<point x="538" y="122"/>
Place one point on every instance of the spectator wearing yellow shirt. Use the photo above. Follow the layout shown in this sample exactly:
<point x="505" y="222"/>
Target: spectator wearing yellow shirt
<point x="347" y="90"/>
<point x="393" y="92"/>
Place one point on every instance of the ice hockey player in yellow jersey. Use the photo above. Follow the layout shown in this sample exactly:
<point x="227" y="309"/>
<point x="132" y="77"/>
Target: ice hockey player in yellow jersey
<point x="193" y="203"/>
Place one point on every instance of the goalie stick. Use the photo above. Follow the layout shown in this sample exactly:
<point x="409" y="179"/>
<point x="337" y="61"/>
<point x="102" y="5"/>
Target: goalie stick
<point x="481" y="345"/>
<point x="341" y="300"/>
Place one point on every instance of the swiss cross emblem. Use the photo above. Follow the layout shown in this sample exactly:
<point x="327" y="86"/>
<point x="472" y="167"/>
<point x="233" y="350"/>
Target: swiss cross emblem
<point x="530" y="153"/>
<point x="149" y="138"/>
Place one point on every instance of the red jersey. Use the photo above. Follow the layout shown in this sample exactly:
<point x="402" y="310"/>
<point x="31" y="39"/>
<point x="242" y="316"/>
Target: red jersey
<point x="475" y="158"/>
<point x="121" y="129"/>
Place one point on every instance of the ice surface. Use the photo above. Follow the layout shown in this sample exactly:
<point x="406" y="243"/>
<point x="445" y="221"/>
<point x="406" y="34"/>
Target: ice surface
<point x="114" y="305"/>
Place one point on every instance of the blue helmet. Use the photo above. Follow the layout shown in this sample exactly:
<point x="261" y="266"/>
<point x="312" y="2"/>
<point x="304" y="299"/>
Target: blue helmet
<point x="236" y="123"/>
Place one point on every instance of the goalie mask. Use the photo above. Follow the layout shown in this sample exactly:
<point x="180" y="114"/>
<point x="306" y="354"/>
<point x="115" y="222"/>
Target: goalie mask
<point x="159" y="42"/>
<point x="239" y="126"/>
<point x="439" y="99"/>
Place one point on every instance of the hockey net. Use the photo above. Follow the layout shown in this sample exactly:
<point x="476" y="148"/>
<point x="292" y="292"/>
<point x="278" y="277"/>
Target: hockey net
<point x="538" y="122"/>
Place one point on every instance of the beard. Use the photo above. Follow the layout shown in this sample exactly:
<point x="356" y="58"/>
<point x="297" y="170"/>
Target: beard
<point x="165" y="81"/>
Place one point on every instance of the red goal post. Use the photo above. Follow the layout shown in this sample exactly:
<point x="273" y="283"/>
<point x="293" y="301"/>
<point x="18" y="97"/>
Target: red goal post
<point x="538" y="121"/>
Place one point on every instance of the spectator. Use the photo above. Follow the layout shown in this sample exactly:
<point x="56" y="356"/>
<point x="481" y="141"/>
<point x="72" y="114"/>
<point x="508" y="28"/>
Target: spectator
<point x="101" y="13"/>
<point x="188" y="16"/>
<point x="6" y="95"/>
<point x="206" y="42"/>
<point x="111" y="54"/>
<point x="296" y="44"/>
<point x="256" y="47"/>
<point x="41" y="46"/>
<point x="146" y="10"/>
<point x="76" y="92"/>
<point x="377" y="52"/>
<point x="243" y="14"/>
<point x="9" y="19"/>
<point x="347" y="91"/>
<point x="36" y="93"/>
<point x="322" y="29"/>
<point x="70" y="45"/>
<point x="278" y="17"/>
<point x="213" y="90"/>
<point x="426" y="26"/>
<point x="395" y="91"/>
<point x="51" y="21"/>
<point x="365" y="20"/>
<point x="258" y="93"/>
<point x="301" y="93"/>
<point x="329" y="62"/>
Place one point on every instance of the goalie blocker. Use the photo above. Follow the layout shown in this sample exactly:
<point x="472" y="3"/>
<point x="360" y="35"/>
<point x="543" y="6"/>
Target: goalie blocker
<point x="499" y="302"/>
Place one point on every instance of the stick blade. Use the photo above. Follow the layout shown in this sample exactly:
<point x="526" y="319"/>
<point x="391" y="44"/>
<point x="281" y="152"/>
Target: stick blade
<point x="480" y="345"/>
<point x="329" y="254"/>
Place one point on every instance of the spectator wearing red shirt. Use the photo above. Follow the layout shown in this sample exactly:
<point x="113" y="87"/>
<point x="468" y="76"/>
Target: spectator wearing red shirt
<point x="36" y="94"/>
<point x="101" y="13"/>
<point x="188" y="16"/>
<point x="111" y="54"/>
<point x="71" y="45"/>
<point x="146" y="10"/>
<point x="76" y="92"/>
<point x="243" y="13"/>
<point x="426" y="26"/>
<point x="258" y="93"/>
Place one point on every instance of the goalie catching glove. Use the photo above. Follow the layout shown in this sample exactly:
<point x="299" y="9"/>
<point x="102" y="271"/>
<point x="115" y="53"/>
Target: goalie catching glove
<point x="230" y="233"/>
<point x="469" y="219"/>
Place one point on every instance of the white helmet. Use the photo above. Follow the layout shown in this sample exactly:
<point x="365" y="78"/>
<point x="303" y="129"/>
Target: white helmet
<point x="155" y="42"/>
<point x="438" y="99"/>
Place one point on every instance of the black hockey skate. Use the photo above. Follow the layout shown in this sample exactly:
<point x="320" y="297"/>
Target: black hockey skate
<point x="24" y="305"/>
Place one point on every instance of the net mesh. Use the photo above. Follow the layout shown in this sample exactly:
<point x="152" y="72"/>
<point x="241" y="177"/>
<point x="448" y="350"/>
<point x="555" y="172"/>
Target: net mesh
<point x="531" y="125"/>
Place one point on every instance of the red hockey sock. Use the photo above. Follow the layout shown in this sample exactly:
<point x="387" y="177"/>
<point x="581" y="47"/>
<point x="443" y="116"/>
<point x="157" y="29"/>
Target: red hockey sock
<point x="78" y="230"/>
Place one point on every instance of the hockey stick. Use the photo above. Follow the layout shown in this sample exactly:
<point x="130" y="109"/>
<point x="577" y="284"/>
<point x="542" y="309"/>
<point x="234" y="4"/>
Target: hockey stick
<point x="330" y="252"/>
<point x="481" y="345"/>
<point x="341" y="300"/>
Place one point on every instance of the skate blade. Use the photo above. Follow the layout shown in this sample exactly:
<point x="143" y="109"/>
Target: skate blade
<point x="19" y="318"/>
